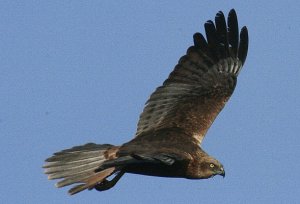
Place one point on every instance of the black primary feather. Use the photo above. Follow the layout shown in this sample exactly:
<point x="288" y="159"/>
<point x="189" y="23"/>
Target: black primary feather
<point x="212" y="40"/>
<point x="200" y="42"/>
<point x="243" y="48"/>
<point x="222" y="35"/>
<point x="233" y="32"/>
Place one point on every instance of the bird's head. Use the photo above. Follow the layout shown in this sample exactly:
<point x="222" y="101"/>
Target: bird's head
<point x="210" y="167"/>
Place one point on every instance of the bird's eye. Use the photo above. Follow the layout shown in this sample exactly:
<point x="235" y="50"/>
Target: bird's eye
<point x="211" y="165"/>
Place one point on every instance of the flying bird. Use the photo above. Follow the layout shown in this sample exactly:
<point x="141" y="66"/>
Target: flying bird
<point x="174" y="121"/>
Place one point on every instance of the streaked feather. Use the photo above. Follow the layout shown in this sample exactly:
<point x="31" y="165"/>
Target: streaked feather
<point x="201" y="83"/>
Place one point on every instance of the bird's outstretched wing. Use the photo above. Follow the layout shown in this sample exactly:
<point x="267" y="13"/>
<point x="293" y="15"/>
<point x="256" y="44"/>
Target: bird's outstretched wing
<point x="201" y="83"/>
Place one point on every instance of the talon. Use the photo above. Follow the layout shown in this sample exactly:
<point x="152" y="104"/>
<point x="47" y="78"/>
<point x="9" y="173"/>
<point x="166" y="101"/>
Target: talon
<point x="105" y="184"/>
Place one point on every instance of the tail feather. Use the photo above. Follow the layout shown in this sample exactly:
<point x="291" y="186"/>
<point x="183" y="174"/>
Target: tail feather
<point x="72" y="172"/>
<point x="90" y="182"/>
<point x="61" y="166"/>
<point x="78" y="165"/>
<point x="63" y="171"/>
<point x="73" y="179"/>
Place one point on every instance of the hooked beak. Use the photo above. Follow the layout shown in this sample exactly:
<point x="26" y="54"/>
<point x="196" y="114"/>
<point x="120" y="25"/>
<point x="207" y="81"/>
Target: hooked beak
<point x="222" y="172"/>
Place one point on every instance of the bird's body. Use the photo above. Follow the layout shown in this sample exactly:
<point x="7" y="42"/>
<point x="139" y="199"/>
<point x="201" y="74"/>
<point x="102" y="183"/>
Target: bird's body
<point x="174" y="121"/>
<point x="166" y="140"/>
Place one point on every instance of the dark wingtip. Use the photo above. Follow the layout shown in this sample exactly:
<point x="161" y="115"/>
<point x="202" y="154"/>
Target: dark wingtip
<point x="232" y="13"/>
<point x="209" y="22"/>
<point x="208" y="25"/>
<point x="212" y="41"/>
<point x="220" y="13"/>
<point x="233" y="32"/>
<point x="223" y="38"/>
<point x="243" y="47"/>
<point x="199" y="41"/>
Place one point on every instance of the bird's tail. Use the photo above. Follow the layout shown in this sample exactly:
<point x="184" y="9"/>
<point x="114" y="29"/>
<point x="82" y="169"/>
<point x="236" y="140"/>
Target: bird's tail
<point x="79" y="165"/>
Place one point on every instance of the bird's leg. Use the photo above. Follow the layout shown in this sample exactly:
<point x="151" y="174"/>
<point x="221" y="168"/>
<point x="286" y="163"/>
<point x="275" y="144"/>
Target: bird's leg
<point x="105" y="184"/>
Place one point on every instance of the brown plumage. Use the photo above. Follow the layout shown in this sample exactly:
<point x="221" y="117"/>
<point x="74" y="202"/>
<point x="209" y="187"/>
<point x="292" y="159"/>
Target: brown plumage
<point x="174" y="121"/>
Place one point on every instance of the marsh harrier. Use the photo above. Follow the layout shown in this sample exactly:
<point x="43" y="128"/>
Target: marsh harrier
<point x="174" y="121"/>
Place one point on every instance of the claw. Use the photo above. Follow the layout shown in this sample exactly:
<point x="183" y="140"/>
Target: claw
<point x="105" y="184"/>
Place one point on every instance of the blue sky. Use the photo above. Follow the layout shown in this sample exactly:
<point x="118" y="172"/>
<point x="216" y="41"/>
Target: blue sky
<point x="74" y="72"/>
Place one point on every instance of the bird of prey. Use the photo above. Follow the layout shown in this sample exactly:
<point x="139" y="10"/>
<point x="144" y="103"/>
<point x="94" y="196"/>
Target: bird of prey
<point x="174" y="121"/>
